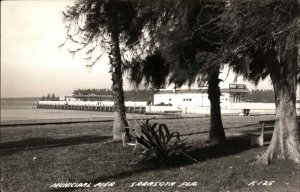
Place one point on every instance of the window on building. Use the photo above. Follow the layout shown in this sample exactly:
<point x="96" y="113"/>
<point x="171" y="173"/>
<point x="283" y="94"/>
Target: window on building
<point x="190" y="99"/>
<point x="183" y="99"/>
<point x="170" y="99"/>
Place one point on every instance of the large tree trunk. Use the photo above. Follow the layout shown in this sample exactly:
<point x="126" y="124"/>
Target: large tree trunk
<point x="285" y="139"/>
<point x="216" y="132"/>
<point x="117" y="87"/>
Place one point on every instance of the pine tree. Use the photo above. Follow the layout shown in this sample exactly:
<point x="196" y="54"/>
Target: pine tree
<point x="264" y="40"/>
<point x="106" y="26"/>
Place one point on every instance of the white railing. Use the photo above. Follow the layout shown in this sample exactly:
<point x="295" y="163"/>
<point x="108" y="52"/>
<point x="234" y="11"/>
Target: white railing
<point x="93" y="103"/>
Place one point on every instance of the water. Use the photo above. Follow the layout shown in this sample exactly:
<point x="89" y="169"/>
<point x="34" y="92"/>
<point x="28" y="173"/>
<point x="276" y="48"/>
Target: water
<point x="21" y="109"/>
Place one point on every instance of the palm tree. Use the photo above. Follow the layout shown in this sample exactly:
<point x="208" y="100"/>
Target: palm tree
<point x="106" y="26"/>
<point x="264" y="41"/>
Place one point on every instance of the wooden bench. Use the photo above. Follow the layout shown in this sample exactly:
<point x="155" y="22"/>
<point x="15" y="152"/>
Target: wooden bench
<point x="172" y="114"/>
<point x="265" y="128"/>
<point x="258" y="137"/>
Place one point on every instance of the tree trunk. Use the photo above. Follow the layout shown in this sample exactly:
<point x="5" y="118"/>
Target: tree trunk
<point x="285" y="140"/>
<point x="117" y="87"/>
<point x="216" y="132"/>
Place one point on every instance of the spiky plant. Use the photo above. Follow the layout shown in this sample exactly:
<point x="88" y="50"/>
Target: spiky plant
<point x="157" y="141"/>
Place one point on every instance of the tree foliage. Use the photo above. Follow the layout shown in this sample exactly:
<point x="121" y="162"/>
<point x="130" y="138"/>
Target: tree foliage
<point x="187" y="43"/>
<point x="92" y="91"/>
<point x="260" y="96"/>
<point x="50" y="97"/>
<point x="130" y="95"/>
<point x="152" y="71"/>
<point x="261" y="36"/>
<point x="90" y="24"/>
<point x="192" y="45"/>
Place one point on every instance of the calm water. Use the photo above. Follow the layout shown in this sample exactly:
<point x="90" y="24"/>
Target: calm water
<point x="21" y="109"/>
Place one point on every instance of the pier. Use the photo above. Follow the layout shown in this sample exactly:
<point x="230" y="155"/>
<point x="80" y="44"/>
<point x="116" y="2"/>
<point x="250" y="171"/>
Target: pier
<point x="101" y="106"/>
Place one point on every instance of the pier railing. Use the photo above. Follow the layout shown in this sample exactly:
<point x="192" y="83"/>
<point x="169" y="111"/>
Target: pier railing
<point x="104" y="106"/>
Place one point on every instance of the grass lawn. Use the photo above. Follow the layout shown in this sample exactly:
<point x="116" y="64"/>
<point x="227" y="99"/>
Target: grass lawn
<point x="35" y="157"/>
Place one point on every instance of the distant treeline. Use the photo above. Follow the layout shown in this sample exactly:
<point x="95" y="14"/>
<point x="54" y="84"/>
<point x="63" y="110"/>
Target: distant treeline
<point x="21" y="99"/>
<point x="130" y="95"/>
<point x="92" y="92"/>
<point x="50" y="97"/>
<point x="260" y="95"/>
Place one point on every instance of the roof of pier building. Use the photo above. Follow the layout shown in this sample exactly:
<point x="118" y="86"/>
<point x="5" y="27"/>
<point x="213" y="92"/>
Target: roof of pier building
<point x="233" y="88"/>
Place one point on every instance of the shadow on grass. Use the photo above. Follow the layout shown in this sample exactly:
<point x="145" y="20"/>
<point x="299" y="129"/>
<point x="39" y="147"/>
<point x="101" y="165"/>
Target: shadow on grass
<point x="234" y="146"/>
<point x="225" y="128"/>
<point x="47" y="142"/>
<point x="243" y="126"/>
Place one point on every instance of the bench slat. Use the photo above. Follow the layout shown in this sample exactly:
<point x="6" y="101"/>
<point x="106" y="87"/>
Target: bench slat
<point x="267" y="128"/>
<point x="267" y="122"/>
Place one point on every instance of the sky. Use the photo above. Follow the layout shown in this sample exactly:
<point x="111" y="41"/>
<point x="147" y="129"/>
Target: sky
<point x="32" y="64"/>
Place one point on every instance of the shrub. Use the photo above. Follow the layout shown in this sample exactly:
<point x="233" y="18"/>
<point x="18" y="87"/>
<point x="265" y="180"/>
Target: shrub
<point x="156" y="140"/>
